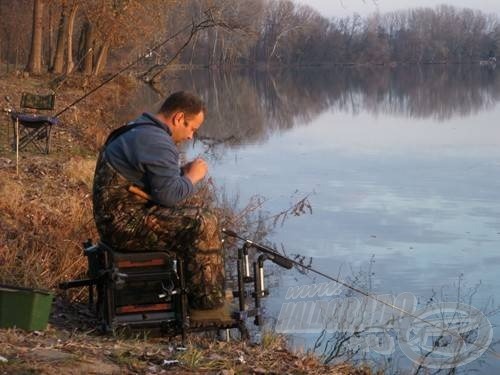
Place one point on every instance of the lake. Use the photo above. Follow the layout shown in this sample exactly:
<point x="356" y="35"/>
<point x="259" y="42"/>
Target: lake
<point x="402" y="170"/>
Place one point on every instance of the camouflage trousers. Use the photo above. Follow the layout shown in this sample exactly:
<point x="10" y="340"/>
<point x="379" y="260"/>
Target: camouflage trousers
<point x="129" y="223"/>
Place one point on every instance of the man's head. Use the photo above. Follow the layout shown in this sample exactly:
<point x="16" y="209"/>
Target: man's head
<point x="183" y="113"/>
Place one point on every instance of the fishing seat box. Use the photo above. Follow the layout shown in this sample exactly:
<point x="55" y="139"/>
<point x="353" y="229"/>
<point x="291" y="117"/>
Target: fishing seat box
<point x="146" y="290"/>
<point x="140" y="290"/>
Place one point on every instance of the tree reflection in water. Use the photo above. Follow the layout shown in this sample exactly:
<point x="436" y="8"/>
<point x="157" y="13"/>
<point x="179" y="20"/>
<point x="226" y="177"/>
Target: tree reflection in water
<point x="247" y="106"/>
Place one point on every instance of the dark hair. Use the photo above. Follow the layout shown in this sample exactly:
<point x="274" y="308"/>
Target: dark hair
<point x="183" y="101"/>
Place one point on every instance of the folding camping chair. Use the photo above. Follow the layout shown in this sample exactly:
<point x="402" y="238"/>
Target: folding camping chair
<point x="31" y="128"/>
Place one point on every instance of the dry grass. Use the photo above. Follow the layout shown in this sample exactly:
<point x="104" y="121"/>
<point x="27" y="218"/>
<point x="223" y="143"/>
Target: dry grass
<point x="80" y="171"/>
<point x="46" y="211"/>
<point x="25" y="354"/>
<point x="270" y="357"/>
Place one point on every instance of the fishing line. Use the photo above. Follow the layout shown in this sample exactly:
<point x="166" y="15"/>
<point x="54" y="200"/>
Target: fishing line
<point x="266" y="249"/>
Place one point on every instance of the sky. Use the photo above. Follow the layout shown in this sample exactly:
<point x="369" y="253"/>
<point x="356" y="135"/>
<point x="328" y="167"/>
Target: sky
<point x="338" y="8"/>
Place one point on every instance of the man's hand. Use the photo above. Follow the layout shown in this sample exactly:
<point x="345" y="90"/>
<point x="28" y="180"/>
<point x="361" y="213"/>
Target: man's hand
<point x="195" y="170"/>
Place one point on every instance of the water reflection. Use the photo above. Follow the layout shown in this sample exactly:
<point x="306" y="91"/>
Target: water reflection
<point x="247" y="106"/>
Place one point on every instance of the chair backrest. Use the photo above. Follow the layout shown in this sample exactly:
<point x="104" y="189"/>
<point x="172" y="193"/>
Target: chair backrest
<point x="36" y="101"/>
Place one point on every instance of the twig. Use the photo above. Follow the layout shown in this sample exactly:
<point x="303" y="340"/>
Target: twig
<point x="209" y="22"/>
<point x="296" y="209"/>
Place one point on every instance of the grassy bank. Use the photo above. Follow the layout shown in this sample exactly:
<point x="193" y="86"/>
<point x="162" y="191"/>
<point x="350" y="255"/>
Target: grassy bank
<point x="66" y="352"/>
<point x="46" y="199"/>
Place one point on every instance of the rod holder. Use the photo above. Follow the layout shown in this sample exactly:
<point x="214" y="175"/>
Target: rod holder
<point x="260" y="263"/>
<point x="258" y="319"/>
<point x="246" y="263"/>
<point x="241" y="282"/>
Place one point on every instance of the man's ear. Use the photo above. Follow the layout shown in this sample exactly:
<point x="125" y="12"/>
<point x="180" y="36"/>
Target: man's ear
<point x="178" y="118"/>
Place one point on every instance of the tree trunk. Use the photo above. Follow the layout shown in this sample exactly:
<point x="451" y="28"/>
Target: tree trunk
<point x="35" y="58"/>
<point x="88" y="53"/>
<point x="102" y="58"/>
<point x="70" y="65"/>
<point x="7" y="51"/>
<point x="223" y="51"/>
<point x="215" y="44"/>
<point x="58" y="63"/>
<point x="16" y="61"/>
<point x="51" y="31"/>
<point x="6" y="61"/>
<point x="193" y="49"/>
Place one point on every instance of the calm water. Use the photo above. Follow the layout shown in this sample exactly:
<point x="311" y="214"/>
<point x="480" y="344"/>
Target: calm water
<point x="403" y="168"/>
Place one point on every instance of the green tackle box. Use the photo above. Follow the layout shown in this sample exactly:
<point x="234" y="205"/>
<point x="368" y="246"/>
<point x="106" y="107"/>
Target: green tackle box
<point x="24" y="308"/>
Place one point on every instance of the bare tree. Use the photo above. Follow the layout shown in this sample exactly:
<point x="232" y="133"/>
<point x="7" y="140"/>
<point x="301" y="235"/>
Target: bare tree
<point x="58" y="61"/>
<point x="262" y="32"/>
<point x="35" y="56"/>
<point x="70" y="65"/>
<point x="87" y="52"/>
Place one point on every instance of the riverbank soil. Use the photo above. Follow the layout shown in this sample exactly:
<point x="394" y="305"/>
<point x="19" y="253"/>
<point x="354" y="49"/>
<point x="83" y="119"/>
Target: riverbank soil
<point x="71" y="346"/>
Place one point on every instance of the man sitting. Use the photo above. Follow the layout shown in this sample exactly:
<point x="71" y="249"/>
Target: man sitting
<point x="143" y="155"/>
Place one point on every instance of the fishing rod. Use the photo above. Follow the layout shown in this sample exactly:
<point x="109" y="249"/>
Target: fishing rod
<point x="268" y="250"/>
<point x="288" y="263"/>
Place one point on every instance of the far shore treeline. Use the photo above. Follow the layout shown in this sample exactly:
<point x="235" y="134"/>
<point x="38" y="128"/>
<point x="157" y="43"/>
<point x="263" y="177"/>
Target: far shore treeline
<point x="94" y="36"/>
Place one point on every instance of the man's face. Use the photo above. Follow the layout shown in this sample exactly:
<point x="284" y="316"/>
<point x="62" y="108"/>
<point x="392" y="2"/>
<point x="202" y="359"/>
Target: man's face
<point x="184" y="126"/>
